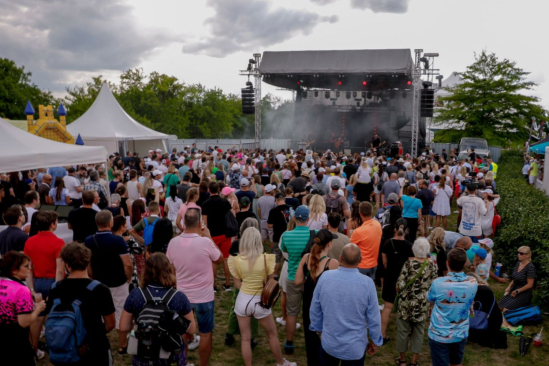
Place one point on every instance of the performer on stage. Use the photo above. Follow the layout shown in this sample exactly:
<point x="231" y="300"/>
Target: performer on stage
<point x="375" y="143"/>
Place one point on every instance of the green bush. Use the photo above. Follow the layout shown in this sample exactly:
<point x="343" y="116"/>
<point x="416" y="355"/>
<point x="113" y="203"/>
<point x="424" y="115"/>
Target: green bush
<point x="524" y="214"/>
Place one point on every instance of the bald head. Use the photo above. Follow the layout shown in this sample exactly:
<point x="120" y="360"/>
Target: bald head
<point x="47" y="178"/>
<point x="464" y="243"/>
<point x="394" y="176"/>
<point x="350" y="256"/>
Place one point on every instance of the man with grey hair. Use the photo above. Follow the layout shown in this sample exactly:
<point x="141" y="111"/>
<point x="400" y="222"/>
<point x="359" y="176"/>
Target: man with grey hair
<point x="344" y="308"/>
<point x="112" y="266"/>
<point x="94" y="185"/>
<point x="391" y="186"/>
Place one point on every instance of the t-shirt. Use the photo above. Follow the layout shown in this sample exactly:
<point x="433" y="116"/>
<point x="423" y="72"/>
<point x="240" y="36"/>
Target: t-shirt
<point x="95" y="305"/>
<point x="173" y="207"/>
<point x="215" y="208"/>
<point x="337" y="246"/>
<point x="391" y="186"/>
<point x="82" y="221"/>
<point x="427" y="197"/>
<point x="298" y="185"/>
<point x="182" y="190"/>
<point x="62" y="199"/>
<point x="249" y="194"/>
<point x="106" y="261"/>
<point x="141" y="224"/>
<point x="44" y="249"/>
<point x="112" y="185"/>
<point x="294" y="242"/>
<point x="71" y="183"/>
<point x="252" y="281"/>
<point x="16" y="299"/>
<point x="265" y="204"/>
<point x="292" y="201"/>
<point x="411" y="206"/>
<point x="318" y="223"/>
<point x="192" y="257"/>
<point x="534" y="172"/>
<point x="367" y="237"/>
<point x="483" y="271"/>
<point x="472" y="209"/>
<point x="243" y="215"/>
<point x="279" y="217"/>
<point x="364" y="174"/>
<point x="170" y="180"/>
<point x="12" y="238"/>
<point x="350" y="169"/>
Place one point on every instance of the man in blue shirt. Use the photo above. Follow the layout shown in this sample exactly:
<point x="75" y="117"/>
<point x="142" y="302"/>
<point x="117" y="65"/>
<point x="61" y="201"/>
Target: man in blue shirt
<point x="451" y="299"/>
<point x="344" y="308"/>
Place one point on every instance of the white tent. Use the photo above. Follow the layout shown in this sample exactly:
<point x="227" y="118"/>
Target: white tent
<point x="107" y="124"/>
<point x="452" y="80"/>
<point x="20" y="150"/>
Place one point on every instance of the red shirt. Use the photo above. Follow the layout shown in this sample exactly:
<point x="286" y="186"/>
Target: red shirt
<point x="43" y="249"/>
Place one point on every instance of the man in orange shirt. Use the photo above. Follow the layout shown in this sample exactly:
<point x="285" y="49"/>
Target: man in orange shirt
<point x="367" y="237"/>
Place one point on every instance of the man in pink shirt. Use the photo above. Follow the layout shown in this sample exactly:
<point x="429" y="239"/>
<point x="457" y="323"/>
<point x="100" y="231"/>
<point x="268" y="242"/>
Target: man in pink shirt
<point x="192" y="254"/>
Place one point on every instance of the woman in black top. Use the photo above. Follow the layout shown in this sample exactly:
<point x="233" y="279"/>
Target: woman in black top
<point x="395" y="253"/>
<point x="203" y="193"/>
<point x="388" y="231"/>
<point x="310" y="269"/>
<point x="520" y="290"/>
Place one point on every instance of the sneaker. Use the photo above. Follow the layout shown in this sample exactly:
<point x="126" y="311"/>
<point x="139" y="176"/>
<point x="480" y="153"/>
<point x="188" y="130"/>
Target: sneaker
<point x="229" y="339"/>
<point x="40" y="354"/>
<point x="288" y="363"/>
<point x="215" y="290"/>
<point x="227" y="288"/>
<point x="297" y="326"/>
<point x="381" y="307"/>
<point x="430" y="227"/>
<point x="456" y="211"/>
<point x="281" y="321"/>
<point x="288" y="349"/>
<point x="194" y="344"/>
<point x="254" y="343"/>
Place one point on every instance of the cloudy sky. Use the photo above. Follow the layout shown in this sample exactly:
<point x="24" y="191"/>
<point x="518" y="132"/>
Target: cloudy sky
<point x="66" y="42"/>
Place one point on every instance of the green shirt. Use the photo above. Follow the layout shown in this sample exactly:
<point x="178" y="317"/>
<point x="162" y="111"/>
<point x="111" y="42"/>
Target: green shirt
<point x="294" y="242"/>
<point x="534" y="172"/>
<point x="170" y="180"/>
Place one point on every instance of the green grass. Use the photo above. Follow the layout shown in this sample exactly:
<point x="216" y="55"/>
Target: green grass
<point x="230" y="356"/>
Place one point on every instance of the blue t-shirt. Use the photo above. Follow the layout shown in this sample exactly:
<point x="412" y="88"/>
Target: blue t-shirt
<point x="411" y="205"/>
<point x="453" y="296"/>
<point x="63" y="198"/>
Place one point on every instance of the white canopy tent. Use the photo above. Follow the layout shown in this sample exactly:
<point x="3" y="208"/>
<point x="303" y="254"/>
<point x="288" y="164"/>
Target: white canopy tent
<point x="107" y="124"/>
<point x="20" y="150"/>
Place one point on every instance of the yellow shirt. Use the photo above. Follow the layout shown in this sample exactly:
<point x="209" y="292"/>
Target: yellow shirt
<point x="252" y="281"/>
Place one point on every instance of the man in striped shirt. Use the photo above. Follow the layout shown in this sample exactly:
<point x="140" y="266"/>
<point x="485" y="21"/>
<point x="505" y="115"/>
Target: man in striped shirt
<point x="294" y="242"/>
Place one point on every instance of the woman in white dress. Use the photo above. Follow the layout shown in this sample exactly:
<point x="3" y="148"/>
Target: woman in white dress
<point x="441" y="205"/>
<point x="317" y="218"/>
<point x="486" y="225"/>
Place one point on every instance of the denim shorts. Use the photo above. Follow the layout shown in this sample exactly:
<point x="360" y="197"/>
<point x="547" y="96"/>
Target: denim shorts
<point x="443" y="354"/>
<point x="370" y="272"/>
<point x="43" y="286"/>
<point x="205" y="316"/>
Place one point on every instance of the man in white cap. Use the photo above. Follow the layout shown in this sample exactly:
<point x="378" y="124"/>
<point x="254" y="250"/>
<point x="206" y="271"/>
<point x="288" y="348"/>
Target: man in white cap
<point x="245" y="190"/>
<point x="234" y="176"/>
<point x="264" y="205"/>
<point x="157" y="183"/>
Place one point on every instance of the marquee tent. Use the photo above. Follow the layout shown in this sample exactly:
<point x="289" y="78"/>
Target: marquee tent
<point x="539" y="147"/>
<point x="107" y="124"/>
<point x="21" y="150"/>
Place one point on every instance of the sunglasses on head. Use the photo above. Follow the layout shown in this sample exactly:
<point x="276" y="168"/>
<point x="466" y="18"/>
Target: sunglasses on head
<point x="521" y="253"/>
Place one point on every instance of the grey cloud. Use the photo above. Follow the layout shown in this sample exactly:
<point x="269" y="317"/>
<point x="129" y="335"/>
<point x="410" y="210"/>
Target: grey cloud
<point x="240" y="25"/>
<point x="324" y="2"/>
<point x="56" y="38"/>
<point x="382" y="6"/>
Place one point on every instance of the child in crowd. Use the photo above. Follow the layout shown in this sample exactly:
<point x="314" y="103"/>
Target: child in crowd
<point x="479" y="262"/>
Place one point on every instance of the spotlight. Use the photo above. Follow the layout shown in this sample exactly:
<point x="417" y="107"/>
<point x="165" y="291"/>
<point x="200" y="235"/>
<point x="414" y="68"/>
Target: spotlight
<point x="354" y="94"/>
<point x="327" y="94"/>
<point x="409" y="82"/>
<point x="363" y="95"/>
<point x="316" y="93"/>
<point x="439" y="78"/>
<point x="339" y="82"/>
<point x="337" y="94"/>
<point x="364" y="83"/>
<point x="369" y="95"/>
<point x="348" y="95"/>
<point x="299" y="83"/>
<point x="249" y="84"/>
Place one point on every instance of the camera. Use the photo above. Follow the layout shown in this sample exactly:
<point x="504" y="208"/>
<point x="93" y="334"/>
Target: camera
<point x="134" y="247"/>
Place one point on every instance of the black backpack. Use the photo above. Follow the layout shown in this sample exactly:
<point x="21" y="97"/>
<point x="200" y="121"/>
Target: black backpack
<point x="158" y="327"/>
<point x="332" y="205"/>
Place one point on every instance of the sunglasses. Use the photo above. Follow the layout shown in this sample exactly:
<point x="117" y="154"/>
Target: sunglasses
<point x="521" y="253"/>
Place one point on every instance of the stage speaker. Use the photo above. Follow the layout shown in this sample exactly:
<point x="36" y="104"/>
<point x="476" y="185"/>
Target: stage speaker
<point x="427" y="103"/>
<point x="248" y="100"/>
<point x="394" y="150"/>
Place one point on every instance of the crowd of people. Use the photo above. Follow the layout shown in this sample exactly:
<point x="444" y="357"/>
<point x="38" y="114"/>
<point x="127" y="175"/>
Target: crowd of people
<point x="149" y="235"/>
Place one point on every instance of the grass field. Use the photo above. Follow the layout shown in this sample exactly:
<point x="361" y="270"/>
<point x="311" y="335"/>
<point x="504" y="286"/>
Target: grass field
<point x="230" y="356"/>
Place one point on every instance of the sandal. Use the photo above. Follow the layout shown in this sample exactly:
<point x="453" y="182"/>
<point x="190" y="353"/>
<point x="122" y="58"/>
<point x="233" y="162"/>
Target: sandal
<point x="399" y="361"/>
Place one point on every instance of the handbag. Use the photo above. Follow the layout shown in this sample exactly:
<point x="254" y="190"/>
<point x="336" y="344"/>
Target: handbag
<point x="271" y="290"/>
<point x="231" y="225"/>
<point x="480" y="320"/>
<point x="395" y="303"/>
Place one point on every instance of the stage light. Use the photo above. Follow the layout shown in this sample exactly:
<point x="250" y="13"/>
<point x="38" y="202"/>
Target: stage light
<point x="337" y="94"/>
<point x="364" y="83"/>
<point x="363" y="95"/>
<point x="316" y="93"/>
<point x="409" y="82"/>
<point x="339" y="82"/>
<point x="348" y="95"/>
<point x="369" y="95"/>
<point x="327" y="94"/>
<point x="299" y="83"/>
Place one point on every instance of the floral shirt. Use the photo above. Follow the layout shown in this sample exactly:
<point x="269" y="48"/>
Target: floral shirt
<point x="413" y="305"/>
<point x="452" y="296"/>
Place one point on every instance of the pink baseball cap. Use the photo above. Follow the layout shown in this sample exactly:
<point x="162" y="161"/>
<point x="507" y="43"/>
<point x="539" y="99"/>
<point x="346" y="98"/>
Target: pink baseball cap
<point x="227" y="191"/>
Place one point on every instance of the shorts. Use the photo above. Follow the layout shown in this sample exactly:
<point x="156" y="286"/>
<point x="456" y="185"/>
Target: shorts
<point x="119" y="296"/>
<point x="532" y="179"/>
<point x="293" y="298"/>
<point x="424" y="226"/>
<point x="43" y="286"/>
<point x="204" y="316"/>
<point x="247" y="306"/>
<point x="265" y="231"/>
<point x="275" y="249"/>
<point x="443" y="354"/>
<point x="370" y="272"/>
<point x="431" y="212"/>
<point x="283" y="279"/>
<point x="223" y="243"/>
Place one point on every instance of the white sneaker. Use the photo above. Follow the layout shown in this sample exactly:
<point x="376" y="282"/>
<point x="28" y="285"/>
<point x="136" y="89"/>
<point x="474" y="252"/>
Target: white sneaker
<point x="430" y="227"/>
<point x="194" y="344"/>
<point x="297" y="326"/>
<point x="381" y="307"/>
<point x="288" y="363"/>
<point x="40" y="354"/>
<point x="281" y="321"/>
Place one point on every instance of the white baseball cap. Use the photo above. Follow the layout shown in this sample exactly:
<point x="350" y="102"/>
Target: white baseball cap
<point x="235" y="167"/>
<point x="158" y="150"/>
<point x="268" y="188"/>
<point x="157" y="172"/>
<point x="321" y="170"/>
<point x="244" y="182"/>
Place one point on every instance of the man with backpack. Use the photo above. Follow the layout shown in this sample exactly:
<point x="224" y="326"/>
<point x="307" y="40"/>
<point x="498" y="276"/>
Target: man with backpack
<point x="87" y="306"/>
<point x="111" y="265"/>
<point x="336" y="203"/>
<point x="146" y="225"/>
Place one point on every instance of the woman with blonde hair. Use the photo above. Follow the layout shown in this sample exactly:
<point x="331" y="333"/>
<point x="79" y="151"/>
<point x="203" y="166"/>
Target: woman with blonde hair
<point x="438" y="250"/>
<point x="441" y="205"/>
<point x="317" y="217"/>
<point x="275" y="181"/>
<point x="248" y="269"/>
<point x="519" y="293"/>
<point x="364" y="186"/>
<point x="286" y="174"/>
<point x="349" y="195"/>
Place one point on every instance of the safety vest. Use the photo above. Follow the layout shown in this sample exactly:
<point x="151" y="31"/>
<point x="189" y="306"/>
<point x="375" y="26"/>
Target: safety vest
<point x="495" y="169"/>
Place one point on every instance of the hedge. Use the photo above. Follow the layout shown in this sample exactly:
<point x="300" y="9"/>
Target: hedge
<point x="524" y="214"/>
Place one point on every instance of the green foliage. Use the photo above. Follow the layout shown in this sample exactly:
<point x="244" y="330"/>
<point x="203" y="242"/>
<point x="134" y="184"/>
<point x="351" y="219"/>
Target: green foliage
<point x="16" y="89"/>
<point x="490" y="102"/>
<point x="493" y="139"/>
<point x="523" y="211"/>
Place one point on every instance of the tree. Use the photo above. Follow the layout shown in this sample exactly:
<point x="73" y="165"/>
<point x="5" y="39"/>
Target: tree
<point x="16" y="89"/>
<point x="491" y="102"/>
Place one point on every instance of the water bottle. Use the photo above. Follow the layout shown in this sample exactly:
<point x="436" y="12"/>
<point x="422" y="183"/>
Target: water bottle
<point x="497" y="271"/>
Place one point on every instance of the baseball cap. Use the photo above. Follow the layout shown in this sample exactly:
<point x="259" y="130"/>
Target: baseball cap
<point x="244" y="182"/>
<point x="400" y="160"/>
<point x="480" y="175"/>
<point x="393" y="198"/>
<point x="481" y="252"/>
<point x="279" y="196"/>
<point x="321" y="170"/>
<point x="244" y="201"/>
<point x="335" y="184"/>
<point x="332" y="168"/>
<point x="157" y="172"/>
<point x="344" y="158"/>
<point x="227" y="191"/>
<point x="302" y="213"/>
<point x="488" y="242"/>
<point x="325" y="236"/>
<point x="269" y="188"/>
<point x="362" y="154"/>
<point x="235" y="167"/>
<point x="158" y="150"/>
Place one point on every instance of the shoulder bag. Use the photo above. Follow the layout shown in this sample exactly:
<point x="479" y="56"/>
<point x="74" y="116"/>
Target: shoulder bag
<point x="271" y="289"/>
<point x="480" y="320"/>
<point x="395" y="303"/>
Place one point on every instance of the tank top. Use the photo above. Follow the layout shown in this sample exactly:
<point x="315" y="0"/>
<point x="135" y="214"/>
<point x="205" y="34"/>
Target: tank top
<point x="133" y="193"/>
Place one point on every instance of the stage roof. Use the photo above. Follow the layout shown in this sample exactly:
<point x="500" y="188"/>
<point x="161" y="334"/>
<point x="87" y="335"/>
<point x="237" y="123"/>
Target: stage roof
<point x="342" y="61"/>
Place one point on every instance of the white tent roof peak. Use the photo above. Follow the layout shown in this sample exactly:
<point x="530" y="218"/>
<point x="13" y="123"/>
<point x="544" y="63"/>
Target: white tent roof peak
<point x="23" y="151"/>
<point x="107" y="120"/>
<point x="452" y="80"/>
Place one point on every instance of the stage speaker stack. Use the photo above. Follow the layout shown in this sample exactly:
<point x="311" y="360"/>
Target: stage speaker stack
<point x="427" y="102"/>
<point x="248" y="100"/>
<point x="394" y="150"/>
